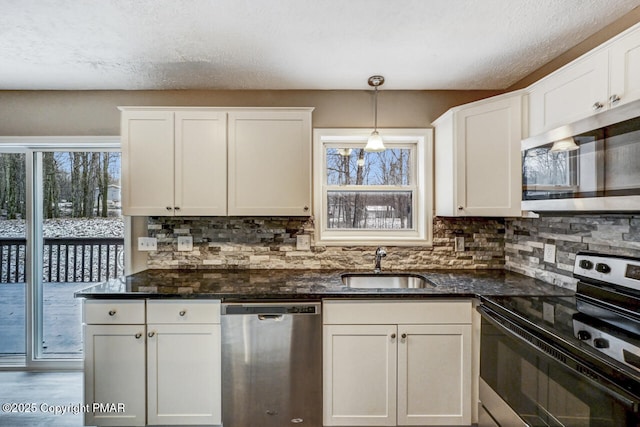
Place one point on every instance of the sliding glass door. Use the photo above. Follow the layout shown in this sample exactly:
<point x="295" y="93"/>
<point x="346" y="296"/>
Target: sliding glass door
<point x="72" y="237"/>
<point x="81" y="241"/>
<point x="13" y="295"/>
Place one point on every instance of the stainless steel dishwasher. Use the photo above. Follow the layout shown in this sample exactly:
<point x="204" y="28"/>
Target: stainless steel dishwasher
<point x="271" y="364"/>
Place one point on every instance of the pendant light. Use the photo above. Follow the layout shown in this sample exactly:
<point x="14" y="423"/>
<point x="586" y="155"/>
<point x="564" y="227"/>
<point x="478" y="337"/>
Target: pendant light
<point x="374" y="143"/>
<point x="567" y="144"/>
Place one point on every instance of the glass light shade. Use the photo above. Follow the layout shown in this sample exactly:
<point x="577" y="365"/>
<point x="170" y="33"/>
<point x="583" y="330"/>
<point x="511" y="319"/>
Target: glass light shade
<point x="567" y="144"/>
<point x="360" y="162"/>
<point x="374" y="144"/>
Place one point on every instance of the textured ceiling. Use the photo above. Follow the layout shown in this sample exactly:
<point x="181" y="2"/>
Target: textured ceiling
<point x="288" y="44"/>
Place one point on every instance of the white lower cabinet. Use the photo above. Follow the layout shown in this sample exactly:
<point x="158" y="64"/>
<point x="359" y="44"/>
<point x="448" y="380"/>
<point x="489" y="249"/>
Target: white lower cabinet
<point x="114" y="362"/>
<point x="183" y="374"/>
<point x="397" y="363"/>
<point x="360" y="375"/>
<point x="166" y="370"/>
<point x="114" y="373"/>
<point x="434" y="373"/>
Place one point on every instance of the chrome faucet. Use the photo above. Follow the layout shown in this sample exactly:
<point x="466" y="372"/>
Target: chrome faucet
<point x="380" y="253"/>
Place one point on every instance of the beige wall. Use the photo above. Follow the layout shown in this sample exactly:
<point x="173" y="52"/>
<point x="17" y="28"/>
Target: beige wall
<point x="25" y="113"/>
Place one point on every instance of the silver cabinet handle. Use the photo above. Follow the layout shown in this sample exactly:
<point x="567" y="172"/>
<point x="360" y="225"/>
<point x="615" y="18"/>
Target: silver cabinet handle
<point x="614" y="99"/>
<point x="597" y="106"/>
<point x="393" y="336"/>
<point x="138" y="335"/>
<point x="182" y="313"/>
<point x="151" y="334"/>
<point x="169" y="208"/>
<point x="112" y="312"/>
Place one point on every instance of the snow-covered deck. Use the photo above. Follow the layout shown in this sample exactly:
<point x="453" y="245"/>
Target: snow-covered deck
<point x="62" y="319"/>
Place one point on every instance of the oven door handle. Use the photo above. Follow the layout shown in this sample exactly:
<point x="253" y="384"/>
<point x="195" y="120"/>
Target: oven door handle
<point x="558" y="355"/>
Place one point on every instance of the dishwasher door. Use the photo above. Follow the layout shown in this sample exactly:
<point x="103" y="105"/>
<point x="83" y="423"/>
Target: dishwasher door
<point x="271" y="364"/>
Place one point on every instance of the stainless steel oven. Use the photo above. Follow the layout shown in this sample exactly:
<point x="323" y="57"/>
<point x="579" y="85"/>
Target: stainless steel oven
<point x="591" y="165"/>
<point x="560" y="361"/>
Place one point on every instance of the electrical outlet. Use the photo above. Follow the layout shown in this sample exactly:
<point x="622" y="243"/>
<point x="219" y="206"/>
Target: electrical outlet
<point x="185" y="243"/>
<point x="549" y="253"/>
<point x="147" y="244"/>
<point x="459" y="244"/>
<point x="303" y="242"/>
<point x="548" y="312"/>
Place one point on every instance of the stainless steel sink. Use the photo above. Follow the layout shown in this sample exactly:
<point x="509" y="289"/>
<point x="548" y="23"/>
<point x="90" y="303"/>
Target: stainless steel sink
<point x="386" y="280"/>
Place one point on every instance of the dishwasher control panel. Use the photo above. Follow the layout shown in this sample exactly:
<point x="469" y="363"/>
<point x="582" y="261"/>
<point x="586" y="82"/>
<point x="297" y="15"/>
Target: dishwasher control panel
<point x="270" y="308"/>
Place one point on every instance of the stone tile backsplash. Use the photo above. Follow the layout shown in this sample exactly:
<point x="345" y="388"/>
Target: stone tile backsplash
<point x="270" y="243"/>
<point x="525" y="239"/>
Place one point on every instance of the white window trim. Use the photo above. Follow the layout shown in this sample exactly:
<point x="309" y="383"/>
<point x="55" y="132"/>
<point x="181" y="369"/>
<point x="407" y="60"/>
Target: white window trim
<point x="421" y="234"/>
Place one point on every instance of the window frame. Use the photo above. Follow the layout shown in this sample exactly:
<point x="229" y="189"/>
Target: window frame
<point x="420" y="140"/>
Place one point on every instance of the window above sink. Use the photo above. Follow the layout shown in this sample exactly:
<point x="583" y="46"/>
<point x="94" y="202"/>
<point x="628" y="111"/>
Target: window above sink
<point x="373" y="197"/>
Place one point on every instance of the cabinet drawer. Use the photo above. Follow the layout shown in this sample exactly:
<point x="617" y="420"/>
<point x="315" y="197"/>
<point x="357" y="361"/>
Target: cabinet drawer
<point x="113" y="312"/>
<point x="183" y="311"/>
<point x="367" y="312"/>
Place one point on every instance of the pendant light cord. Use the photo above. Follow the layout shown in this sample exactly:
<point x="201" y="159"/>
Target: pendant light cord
<point x="375" y="113"/>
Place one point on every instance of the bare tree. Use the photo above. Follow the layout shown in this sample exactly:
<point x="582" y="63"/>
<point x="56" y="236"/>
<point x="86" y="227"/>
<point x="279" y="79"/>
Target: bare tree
<point x="12" y="185"/>
<point x="103" y="185"/>
<point x="50" y="186"/>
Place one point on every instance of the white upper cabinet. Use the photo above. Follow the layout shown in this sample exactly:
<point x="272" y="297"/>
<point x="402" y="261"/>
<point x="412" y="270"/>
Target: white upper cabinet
<point x="570" y="94"/>
<point x="147" y="162"/>
<point x="477" y="151"/>
<point x="200" y="163"/>
<point x="216" y="161"/>
<point x="604" y="78"/>
<point x="174" y="163"/>
<point x="270" y="162"/>
<point x="625" y="68"/>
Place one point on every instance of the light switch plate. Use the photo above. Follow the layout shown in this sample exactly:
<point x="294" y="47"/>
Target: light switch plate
<point x="303" y="242"/>
<point x="549" y="253"/>
<point x="185" y="243"/>
<point x="147" y="244"/>
<point x="459" y="243"/>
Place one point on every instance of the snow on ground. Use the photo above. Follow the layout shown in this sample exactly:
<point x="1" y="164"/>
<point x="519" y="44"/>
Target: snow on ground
<point x="68" y="227"/>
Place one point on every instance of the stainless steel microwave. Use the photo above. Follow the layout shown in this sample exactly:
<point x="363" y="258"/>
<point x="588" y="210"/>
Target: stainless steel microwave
<point x="590" y="165"/>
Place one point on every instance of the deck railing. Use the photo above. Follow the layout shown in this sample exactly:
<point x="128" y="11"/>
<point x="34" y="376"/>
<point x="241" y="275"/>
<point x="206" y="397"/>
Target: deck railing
<point x="76" y="259"/>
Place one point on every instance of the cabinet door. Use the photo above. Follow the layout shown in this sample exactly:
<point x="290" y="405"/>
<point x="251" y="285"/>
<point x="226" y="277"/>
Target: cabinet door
<point x="114" y="373"/>
<point x="183" y="374"/>
<point x="570" y="94"/>
<point x="625" y="68"/>
<point x="434" y="375"/>
<point x="147" y="162"/>
<point x="270" y="163"/>
<point x="360" y="375"/>
<point x="200" y="163"/>
<point x="488" y="166"/>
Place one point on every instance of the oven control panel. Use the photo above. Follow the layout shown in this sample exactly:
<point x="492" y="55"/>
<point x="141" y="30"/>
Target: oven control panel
<point x="616" y="270"/>
<point x="622" y="349"/>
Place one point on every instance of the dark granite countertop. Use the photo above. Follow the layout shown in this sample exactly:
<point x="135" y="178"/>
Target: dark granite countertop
<point x="309" y="284"/>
